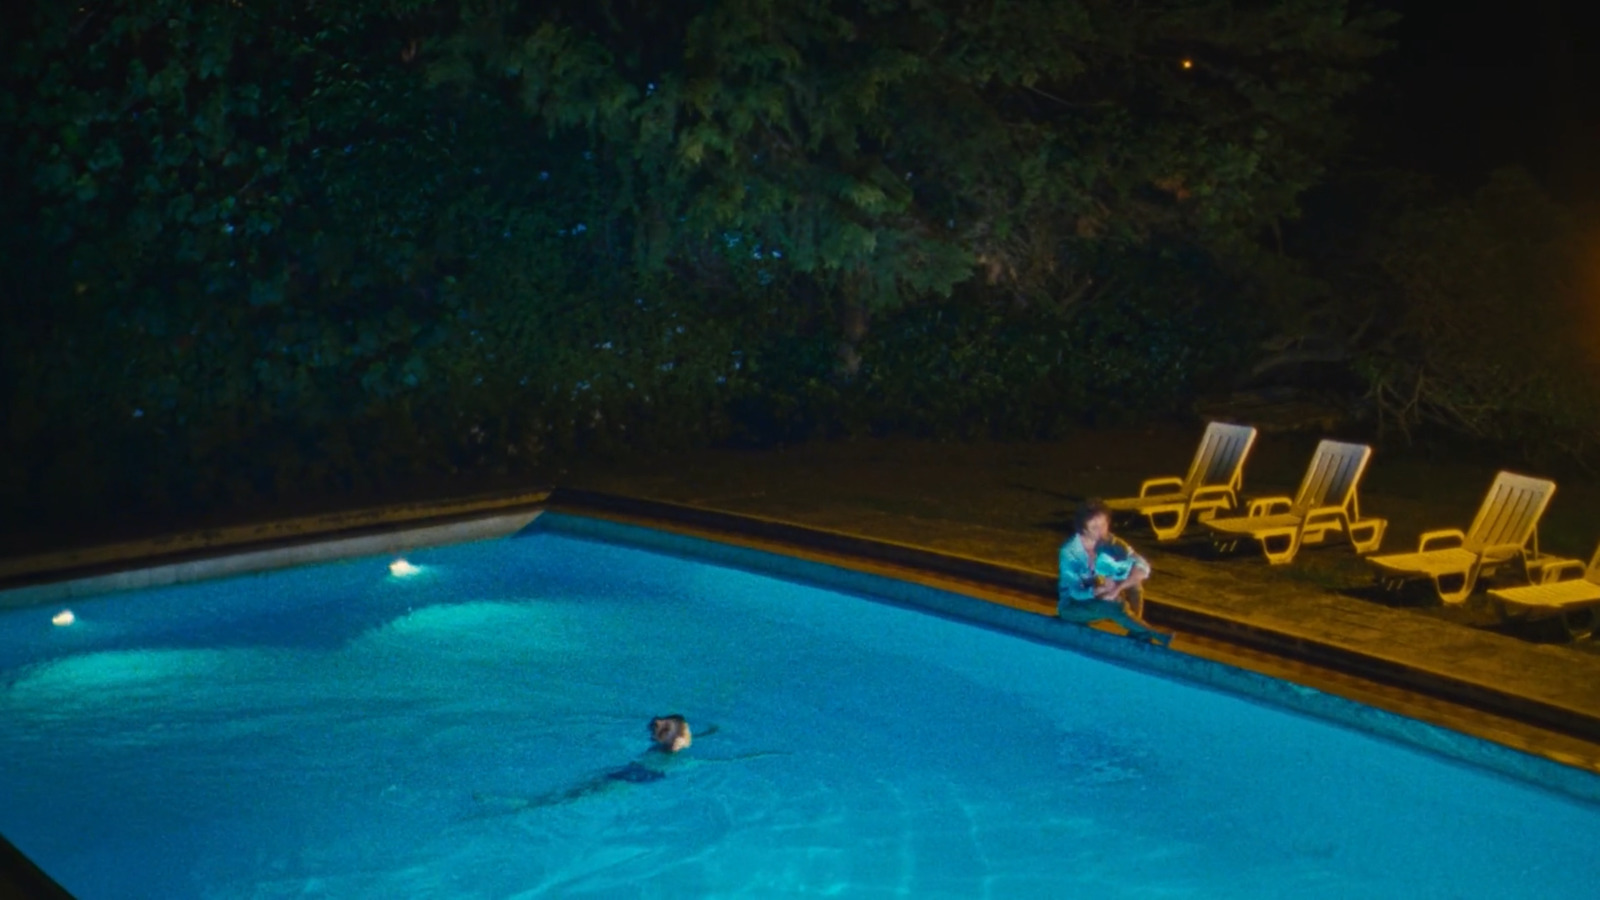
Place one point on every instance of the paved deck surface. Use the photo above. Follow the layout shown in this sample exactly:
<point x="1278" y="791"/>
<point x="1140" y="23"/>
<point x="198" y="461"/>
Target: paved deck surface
<point x="1012" y="505"/>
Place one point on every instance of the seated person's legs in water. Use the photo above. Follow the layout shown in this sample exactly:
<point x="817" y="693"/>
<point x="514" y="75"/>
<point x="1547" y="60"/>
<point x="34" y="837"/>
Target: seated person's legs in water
<point x="1086" y="612"/>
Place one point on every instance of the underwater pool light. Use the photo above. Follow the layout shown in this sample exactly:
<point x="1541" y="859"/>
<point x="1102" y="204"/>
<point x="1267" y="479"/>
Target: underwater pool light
<point x="400" y="568"/>
<point x="65" y="617"/>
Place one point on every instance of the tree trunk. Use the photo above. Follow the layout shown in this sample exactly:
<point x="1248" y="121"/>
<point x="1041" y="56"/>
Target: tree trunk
<point x="853" y="322"/>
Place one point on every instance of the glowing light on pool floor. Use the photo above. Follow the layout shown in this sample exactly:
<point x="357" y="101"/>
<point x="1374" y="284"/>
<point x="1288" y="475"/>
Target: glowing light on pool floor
<point x="338" y="732"/>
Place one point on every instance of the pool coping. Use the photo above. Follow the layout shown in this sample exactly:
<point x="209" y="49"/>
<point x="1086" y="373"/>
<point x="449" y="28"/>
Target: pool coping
<point x="30" y="581"/>
<point x="20" y="877"/>
<point x="989" y="594"/>
<point x="1161" y="607"/>
<point x="258" y="547"/>
<point x="1024" y="605"/>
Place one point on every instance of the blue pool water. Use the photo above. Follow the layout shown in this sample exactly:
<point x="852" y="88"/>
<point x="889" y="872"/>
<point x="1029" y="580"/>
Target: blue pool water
<point x="338" y="732"/>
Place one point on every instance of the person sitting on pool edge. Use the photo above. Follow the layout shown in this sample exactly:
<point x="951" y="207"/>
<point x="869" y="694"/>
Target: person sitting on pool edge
<point x="1102" y="578"/>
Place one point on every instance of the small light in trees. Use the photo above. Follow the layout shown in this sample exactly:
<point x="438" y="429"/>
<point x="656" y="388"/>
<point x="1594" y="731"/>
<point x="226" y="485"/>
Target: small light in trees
<point x="1187" y="64"/>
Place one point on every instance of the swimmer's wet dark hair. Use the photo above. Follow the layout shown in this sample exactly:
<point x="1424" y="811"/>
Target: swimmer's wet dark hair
<point x="675" y="719"/>
<point x="1087" y="510"/>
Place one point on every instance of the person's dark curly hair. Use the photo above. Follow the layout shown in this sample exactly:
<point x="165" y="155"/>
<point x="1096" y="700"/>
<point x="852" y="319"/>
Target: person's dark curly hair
<point x="1088" y="510"/>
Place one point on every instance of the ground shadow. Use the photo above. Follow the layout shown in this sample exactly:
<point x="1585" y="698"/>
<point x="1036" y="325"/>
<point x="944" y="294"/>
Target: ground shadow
<point x="1407" y="597"/>
<point x="1072" y="498"/>
<point x="1060" y="523"/>
<point x="1479" y="612"/>
<point x="1196" y="547"/>
<point x="1536" y="631"/>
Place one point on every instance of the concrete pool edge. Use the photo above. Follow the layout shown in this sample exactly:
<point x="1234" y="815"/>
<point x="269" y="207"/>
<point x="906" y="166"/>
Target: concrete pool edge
<point x="1476" y="709"/>
<point x="20" y="877"/>
<point x="1036" y="591"/>
<point x="260" y="547"/>
<point x="243" y="549"/>
<point x="573" y="515"/>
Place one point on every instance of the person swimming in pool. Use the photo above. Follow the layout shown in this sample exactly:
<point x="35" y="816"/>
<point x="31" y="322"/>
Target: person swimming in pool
<point x="669" y="736"/>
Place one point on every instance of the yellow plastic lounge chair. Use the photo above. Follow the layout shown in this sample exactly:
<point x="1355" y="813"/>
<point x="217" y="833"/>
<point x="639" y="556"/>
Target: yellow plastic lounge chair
<point x="1506" y="529"/>
<point x="1212" y="484"/>
<point x="1326" y="502"/>
<point x="1568" y="589"/>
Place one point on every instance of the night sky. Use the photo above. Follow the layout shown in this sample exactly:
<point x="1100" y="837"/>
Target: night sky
<point x="1474" y="86"/>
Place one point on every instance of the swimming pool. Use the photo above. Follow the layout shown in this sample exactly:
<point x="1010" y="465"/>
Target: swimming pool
<point x="338" y="731"/>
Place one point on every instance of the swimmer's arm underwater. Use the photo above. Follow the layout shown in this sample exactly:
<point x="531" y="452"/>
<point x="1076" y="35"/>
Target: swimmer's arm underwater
<point x="668" y="735"/>
<point x="632" y="773"/>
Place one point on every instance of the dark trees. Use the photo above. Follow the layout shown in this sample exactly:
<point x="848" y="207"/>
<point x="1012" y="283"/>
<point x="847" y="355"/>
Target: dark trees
<point x="895" y="150"/>
<point x="262" y="247"/>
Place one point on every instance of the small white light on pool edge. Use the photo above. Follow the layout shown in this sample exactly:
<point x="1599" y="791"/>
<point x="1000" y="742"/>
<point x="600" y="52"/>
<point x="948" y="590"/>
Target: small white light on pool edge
<point x="400" y="568"/>
<point x="65" y="617"/>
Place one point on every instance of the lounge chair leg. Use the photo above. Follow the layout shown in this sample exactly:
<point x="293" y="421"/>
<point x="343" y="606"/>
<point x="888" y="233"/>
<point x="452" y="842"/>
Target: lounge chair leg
<point x="1168" y="532"/>
<point x="1279" y="557"/>
<point x="1374" y="539"/>
<point x="1469" y="580"/>
<point x="1581" y="623"/>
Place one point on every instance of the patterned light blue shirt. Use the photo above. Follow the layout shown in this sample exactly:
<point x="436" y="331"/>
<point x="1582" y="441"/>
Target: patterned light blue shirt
<point x="1113" y="561"/>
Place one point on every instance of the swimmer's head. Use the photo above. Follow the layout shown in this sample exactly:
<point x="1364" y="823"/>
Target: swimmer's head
<point x="670" y="733"/>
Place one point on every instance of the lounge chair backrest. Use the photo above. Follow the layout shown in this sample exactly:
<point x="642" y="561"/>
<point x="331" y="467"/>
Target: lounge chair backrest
<point x="1510" y="511"/>
<point x="1220" y="459"/>
<point x="1332" y="477"/>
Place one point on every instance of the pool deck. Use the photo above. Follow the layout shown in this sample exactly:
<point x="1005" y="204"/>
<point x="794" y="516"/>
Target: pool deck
<point x="1541" y="698"/>
<point x="967" y="523"/>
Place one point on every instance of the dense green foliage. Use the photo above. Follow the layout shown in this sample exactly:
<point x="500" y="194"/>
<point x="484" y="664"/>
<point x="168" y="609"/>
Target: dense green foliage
<point x="1486" y="321"/>
<point x="262" y="247"/>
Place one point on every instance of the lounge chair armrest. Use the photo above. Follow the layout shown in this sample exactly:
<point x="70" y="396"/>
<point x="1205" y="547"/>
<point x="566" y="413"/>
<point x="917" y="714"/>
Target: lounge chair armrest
<point x="1429" y="538"/>
<point x="1502" y="551"/>
<point x="1212" y="492"/>
<point x="1323" y="511"/>
<point x="1266" y="506"/>
<point x="1553" y="572"/>
<point x="1169" y="484"/>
